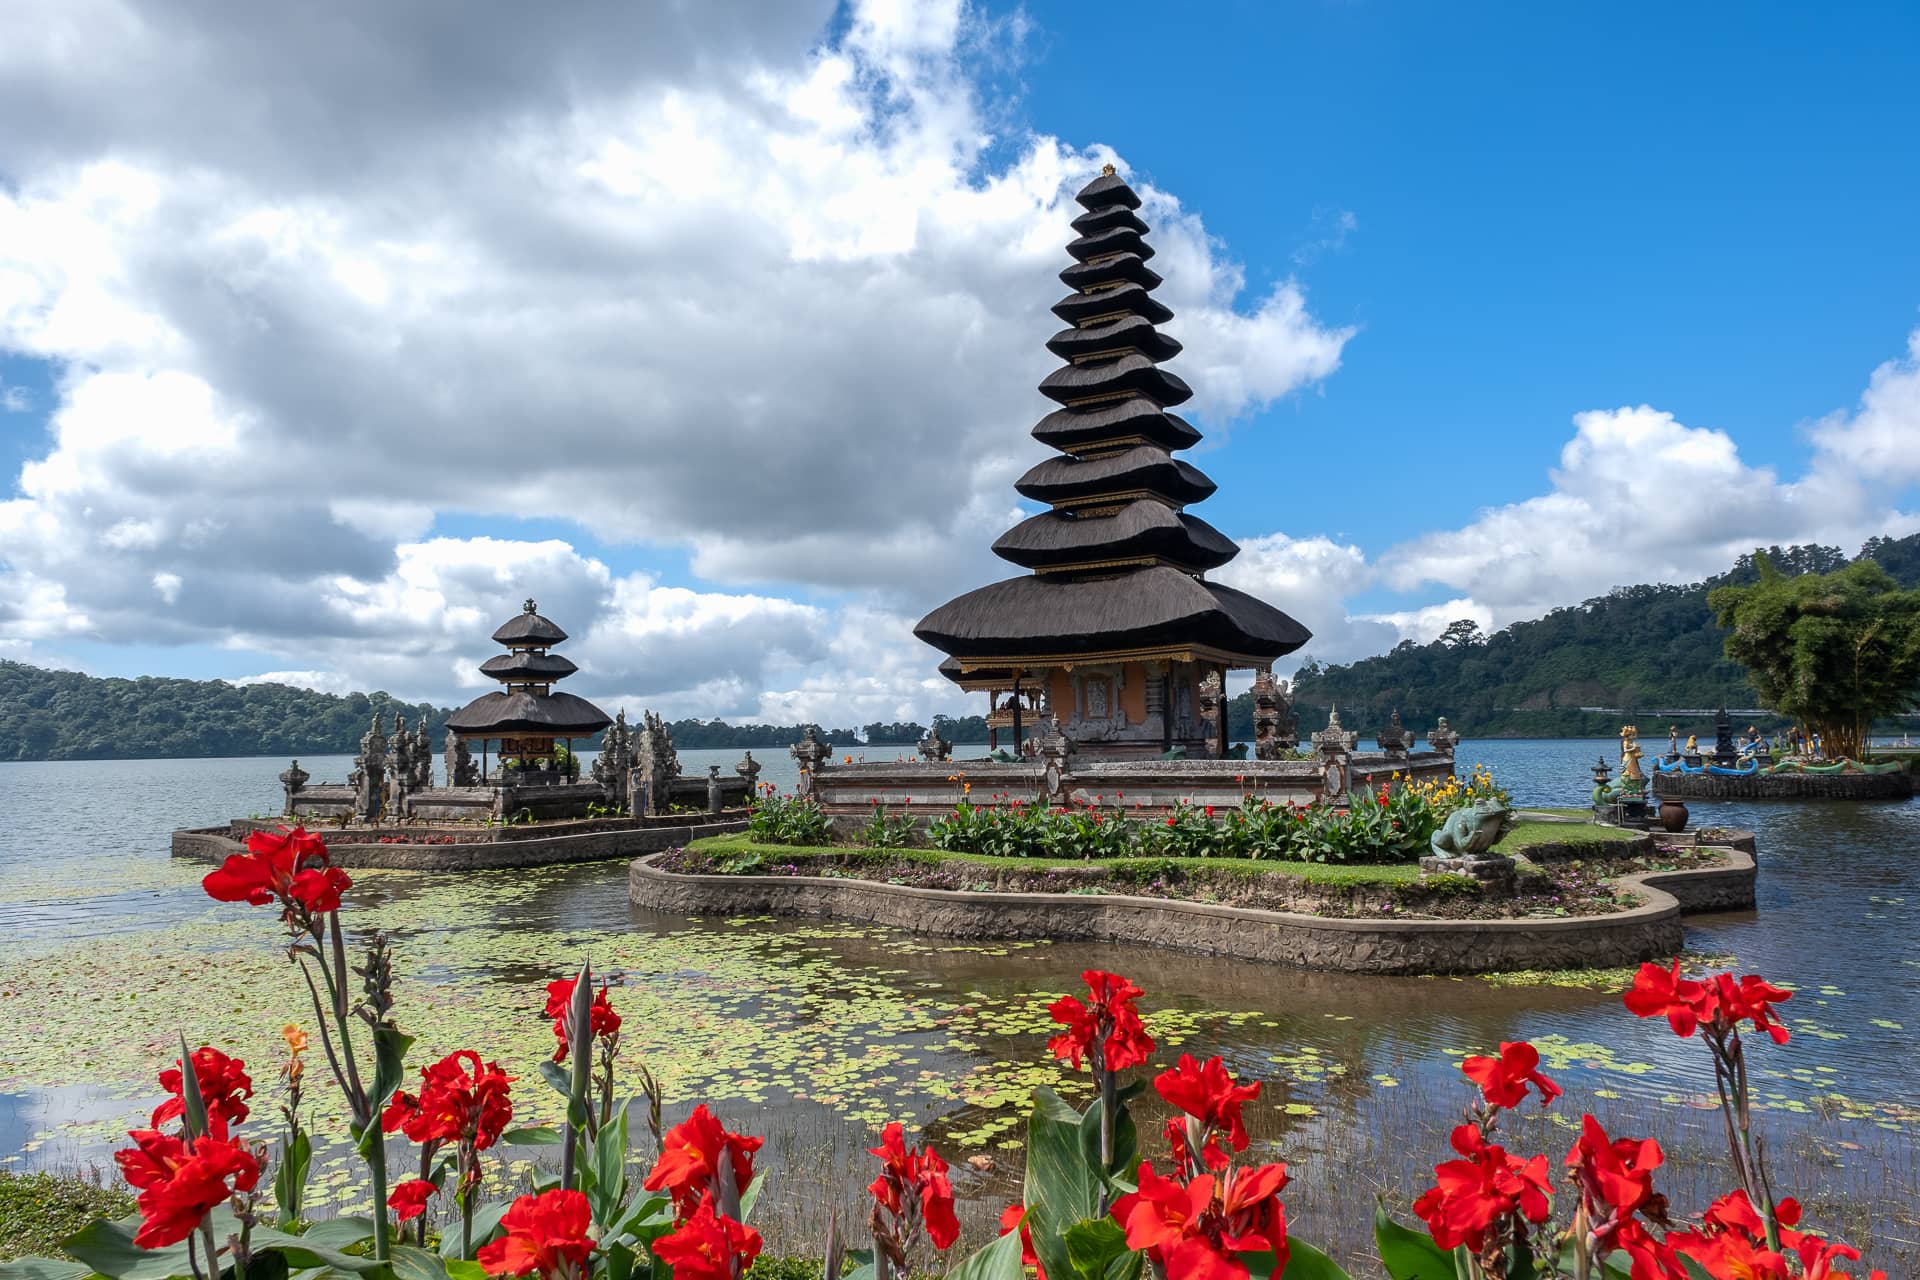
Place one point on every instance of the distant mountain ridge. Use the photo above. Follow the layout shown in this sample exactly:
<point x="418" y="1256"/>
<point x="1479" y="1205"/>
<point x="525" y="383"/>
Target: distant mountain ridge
<point x="1641" y="649"/>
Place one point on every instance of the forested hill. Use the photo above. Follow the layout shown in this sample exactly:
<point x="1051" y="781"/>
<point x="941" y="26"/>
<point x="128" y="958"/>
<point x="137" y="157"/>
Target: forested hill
<point x="1645" y="647"/>
<point x="65" y="715"/>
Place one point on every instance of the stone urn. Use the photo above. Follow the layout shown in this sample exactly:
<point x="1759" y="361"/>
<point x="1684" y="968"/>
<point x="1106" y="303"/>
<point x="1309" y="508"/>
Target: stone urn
<point x="1673" y="816"/>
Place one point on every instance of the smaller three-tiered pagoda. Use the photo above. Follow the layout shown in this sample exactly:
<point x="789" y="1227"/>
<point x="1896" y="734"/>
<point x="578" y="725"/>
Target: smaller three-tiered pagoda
<point x="1115" y="629"/>
<point x="529" y="716"/>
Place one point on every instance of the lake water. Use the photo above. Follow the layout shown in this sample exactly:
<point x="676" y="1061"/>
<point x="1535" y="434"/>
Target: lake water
<point x="814" y="1033"/>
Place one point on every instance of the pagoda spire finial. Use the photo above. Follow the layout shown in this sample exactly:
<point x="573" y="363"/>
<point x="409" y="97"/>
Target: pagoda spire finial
<point x="1106" y="171"/>
<point x="531" y="606"/>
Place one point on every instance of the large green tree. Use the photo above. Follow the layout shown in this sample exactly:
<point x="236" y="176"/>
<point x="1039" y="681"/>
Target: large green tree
<point x="1832" y="650"/>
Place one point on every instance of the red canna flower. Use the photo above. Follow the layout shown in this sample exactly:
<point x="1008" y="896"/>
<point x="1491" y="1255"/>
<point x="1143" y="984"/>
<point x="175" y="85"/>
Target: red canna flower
<point x="288" y="866"/>
<point x="1504" y="1079"/>
<point x="179" y="1180"/>
<point x="1014" y="1217"/>
<point x="409" y="1200"/>
<point x="708" y="1246"/>
<point x="603" y="1021"/>
<point x="224" y="1088"/>
<point x="1479" y="1196"/>
<point x="461" y="1100"/>
<point x="1208" y="1095"/>
<point x="1615" y="1179"/>
<point x="1721" y="1002"/>
<point x="914" y="1188"/>
<point x="1194" y="1231"/>
<point x="1110" y="1031"/>
<point x="1731" y="1244"/>
<point x="546" y="1233"/>
<point x="690" y="1157"/>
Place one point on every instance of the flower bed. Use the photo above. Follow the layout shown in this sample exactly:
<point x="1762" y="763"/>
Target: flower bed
<point x="1093" y="1203"/>
<point x="1393" y="823"/>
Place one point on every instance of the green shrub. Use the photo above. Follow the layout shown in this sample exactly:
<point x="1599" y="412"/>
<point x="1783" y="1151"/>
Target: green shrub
<point x="788" y="820"/>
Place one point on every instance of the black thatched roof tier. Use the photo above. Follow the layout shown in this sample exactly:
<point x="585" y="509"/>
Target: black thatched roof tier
<point x="1131" y="374"/>
<point x="1035" y="620"/>
<point x="520" y="667"/>
<point x="1142" y="470"/>
<point x="1120" y="239"/>
<point x="534" y="715"/>
<point x="1142" y="528"/>
<point x="1107" y="190"/>
<point x="1114" y="338"/>
<point x="1114" y="215"/>
<point x="1109" y="304"/>
<point x="1110" y="271"/>
<point x="1117" y="424"/>
<point x="529" y="630"/>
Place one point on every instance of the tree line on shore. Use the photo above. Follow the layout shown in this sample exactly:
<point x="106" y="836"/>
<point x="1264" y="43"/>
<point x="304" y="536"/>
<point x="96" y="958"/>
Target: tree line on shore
<point x="1635" y="651"/>
<point x="1639" y="649"/>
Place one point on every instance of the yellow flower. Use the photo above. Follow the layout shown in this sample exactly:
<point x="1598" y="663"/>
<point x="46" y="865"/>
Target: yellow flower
<point x="296" y="1039"/>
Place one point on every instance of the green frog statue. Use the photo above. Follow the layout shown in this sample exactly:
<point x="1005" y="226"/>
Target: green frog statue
<point x="1472" y="831"/>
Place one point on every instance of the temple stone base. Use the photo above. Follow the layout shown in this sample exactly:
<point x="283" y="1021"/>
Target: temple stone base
<point x="1785" y="786"/>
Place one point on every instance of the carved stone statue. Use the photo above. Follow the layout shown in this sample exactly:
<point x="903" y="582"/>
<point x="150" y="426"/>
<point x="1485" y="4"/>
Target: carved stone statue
<point x="400" y="769"/>
<point x="461" y="770"/>
<point x="1463" y="845"/>
<point x="615" y="761"/>
<point x="655" y="764"/>
<point x="934" y="748"/>
<point x="811" y="754"/>
<point x="1394" y="739"/>
<point x="1211" y="703"/>
<point x="1443" y="739"/>
<point x="716" y="800"/>
<point x="370" y="773"/>
<point x="749" y="768"/>
<point x="422" y="756"/>
<point x="1276" y="731"/>
<point x="1054" y="748"/>
<point x="292" y="780"/>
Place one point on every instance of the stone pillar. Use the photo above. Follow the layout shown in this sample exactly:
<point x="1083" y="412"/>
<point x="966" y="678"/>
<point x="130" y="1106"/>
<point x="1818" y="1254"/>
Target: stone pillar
<point x="1443" y="739"/>
<point x="715" y="801"/>
<point x="291" y="781"/>
<point x="812" y="756"/>
<point x="1334" y="745"/>
<point x="370" y="774"/>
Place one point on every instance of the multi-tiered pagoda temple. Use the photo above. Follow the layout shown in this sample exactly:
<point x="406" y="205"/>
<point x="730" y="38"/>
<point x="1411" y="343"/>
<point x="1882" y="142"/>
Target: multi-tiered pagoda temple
<point x="529" y="715"/>
<point x="1115" y="627"/>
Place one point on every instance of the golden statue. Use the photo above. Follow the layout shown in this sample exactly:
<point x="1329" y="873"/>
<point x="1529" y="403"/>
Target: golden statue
<point x="1693" y="745"/>
<point x="1630" y="755"/>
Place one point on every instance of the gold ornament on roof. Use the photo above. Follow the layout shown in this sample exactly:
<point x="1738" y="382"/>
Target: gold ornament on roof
<point x="1106" y="171"/>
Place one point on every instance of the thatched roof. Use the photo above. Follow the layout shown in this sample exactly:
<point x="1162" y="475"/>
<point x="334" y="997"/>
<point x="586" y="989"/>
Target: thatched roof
<point x="1143" y="468"/>
<point x="1030" y="618"/>
<point x="528" y="630"/>
<point x="1106" y="271"/>
<point x="1124" y="333"/>
<point x="533" y="715"/>
<point x="1141" y="528"/>
<point x="1132" y="420"/>
<point x="519" y="667"/>
<point x="1133" y="373"/>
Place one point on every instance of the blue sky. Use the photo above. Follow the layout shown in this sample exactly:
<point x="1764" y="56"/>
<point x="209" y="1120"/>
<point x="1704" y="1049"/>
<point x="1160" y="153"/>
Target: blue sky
<point x="722" y="327"/>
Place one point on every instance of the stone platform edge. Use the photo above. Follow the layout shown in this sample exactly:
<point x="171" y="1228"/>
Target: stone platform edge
<point x="1784" y="786"/>
<point x="1650" y="931"/>
<point x="214" y="844"/>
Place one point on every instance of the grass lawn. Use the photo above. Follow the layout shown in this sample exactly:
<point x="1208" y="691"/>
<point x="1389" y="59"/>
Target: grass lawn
<point x="1527" y="834"/>
<point x="1314" y="872"/>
